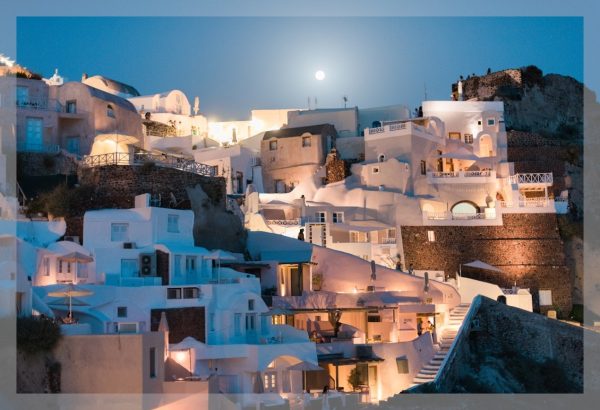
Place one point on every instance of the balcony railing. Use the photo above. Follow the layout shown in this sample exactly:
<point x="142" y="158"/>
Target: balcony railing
<point x="295" y="221"/>
<point x="440" y="216"/>
<point x="526" y="203"/>
<point x="458" y="174"/>
<point x="532" y="178"/>
<point x="141" y="158"/>
<point x="387" y="241"/>
<point x="38" y="103"/>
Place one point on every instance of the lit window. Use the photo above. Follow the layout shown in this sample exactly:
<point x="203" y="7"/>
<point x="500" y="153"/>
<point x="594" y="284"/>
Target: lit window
<point x="431" y="236"/>
<point x="491" y="122"/>
<point x="110" y="112"/>
<point x="119" y="232"/>
<point x="173" y="224"/>
<point x="454" y="135"/>
<point x="306" y="141"/>
<point x="469" y="138"/>
<point x="122" y="311"/>
<point x="273" y="145"/>
<point x="423" y="168"/>
<point x="338" y="217"/>
<point x="545" y="297"/>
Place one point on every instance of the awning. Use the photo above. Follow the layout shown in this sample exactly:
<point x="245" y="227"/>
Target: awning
<point x="482" y="265"/>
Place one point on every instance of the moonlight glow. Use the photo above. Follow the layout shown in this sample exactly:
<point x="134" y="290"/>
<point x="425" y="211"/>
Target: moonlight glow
<point x="320" y="75"/>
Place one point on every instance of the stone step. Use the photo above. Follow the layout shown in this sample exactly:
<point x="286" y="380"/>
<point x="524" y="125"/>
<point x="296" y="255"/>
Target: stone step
<point x="428" y="366"/>
<point x="428" y="371"/>
<point x="421" y="381"/>
<point x="425" y="376"/>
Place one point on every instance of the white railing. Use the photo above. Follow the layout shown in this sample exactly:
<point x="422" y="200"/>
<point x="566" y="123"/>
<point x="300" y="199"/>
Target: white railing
<point x="295" y="221"/>
<point x="458" y="174"/>
<point x="387" y="241"/>
<point x="432" y="216"/>
<point x="377" y="130"/>
<point x="396" y="127"/>
<point x="141" y="158"/>
<point x="437" y="215"/>
<point x="532" y="178"/>
<point x="526" y="203"/>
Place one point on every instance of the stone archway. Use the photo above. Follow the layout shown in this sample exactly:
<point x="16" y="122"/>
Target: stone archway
<point x="485" y="146"/>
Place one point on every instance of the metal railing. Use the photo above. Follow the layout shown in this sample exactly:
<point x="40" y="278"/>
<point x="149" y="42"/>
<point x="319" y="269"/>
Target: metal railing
<point x="39" y="103"/>
<point x="532" y="178"/>
<point x="141" y="158"/>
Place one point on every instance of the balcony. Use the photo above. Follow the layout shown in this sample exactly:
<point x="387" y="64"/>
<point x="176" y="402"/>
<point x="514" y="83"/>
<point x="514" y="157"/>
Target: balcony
<point x="283" y="222"/>
<point x="461" y="177"/>
<point x="540" y="179"/>
<point x="39" y="104"/>
<point x="141" y="158"/>
<point x="448" y="218"/>
<point x="398" y="129"/>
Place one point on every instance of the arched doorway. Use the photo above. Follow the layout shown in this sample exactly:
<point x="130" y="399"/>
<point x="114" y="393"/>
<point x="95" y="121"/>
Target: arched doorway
<point x="465" y="210"/>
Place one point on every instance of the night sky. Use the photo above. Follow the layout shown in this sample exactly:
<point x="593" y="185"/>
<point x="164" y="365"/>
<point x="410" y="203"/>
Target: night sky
<point x="235" y="64"/>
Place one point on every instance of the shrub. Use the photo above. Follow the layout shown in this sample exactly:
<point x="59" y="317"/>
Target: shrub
<point x="354" y="379"/>
<point x="36" y="335"/>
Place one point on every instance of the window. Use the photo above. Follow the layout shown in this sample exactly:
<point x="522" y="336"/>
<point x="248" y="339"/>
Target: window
<point x="454" y="135"/>
<point x="250" y="305"/>
<point x="270" y="381"/>
<point x="431" y="236"/>
<point x="191" y="293"/>
<point x="375" y="170"/>
<point x="381" y="158"/>
<point x="190" y="264"/>
<point x="34" y="130"/>
<point x="338" y="217"/>
<point x="46" y="266"/>
<point x="469" y="138"/>
<point x="479" y="122"/>
<point x="110" y="112"/>
<point x="174" y="293"/>
<point x="250" y="323"/>
<point x="22" y="96"/>
<point x="320" y="216"/>
<point x="152" y="354"/>
<point x="264" y="329"/>
<point x="545" y="297"/>
<point x="306" y="141"/>
<point x="211" y="322"/>
<point x="119" y="232"/>
<point x="237" y="324"/>
<point x="359" y="237"/>
<point x="273" y="145"/>
<point x="122" y="311"/>
<point x="73" y="145"/>
<point x="71" y="107"/>
<point x="173" y="223"/>
<point x="423" y="168"/>
<point x="491" y="122"/>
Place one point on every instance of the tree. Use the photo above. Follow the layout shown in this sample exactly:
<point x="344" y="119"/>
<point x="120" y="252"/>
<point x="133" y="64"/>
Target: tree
<point x="354" y="379"/>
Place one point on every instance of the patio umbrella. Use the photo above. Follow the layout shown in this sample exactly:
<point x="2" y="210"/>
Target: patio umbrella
<point x="258" y="386"/>
<point x="77" y="257"/>
<point x="305" y="367"/>
<point x="70" y="292"/>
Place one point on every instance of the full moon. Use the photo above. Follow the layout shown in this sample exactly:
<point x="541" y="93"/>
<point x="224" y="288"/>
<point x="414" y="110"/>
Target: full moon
<point x="320" y="75"/>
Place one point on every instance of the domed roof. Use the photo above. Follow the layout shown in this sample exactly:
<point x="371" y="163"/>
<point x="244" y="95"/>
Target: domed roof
<point x="112" y="86"/>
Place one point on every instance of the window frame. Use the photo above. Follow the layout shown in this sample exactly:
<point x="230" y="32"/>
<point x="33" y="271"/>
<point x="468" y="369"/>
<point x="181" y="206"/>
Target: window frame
<point x="273" y="145"/>
<point x="125" y="233"/>
<point x="173" y="223"/>
<point x="304" y="141"/>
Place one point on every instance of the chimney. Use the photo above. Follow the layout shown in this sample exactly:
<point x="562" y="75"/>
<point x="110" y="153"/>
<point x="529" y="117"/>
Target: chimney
<point x="84" y="77"/>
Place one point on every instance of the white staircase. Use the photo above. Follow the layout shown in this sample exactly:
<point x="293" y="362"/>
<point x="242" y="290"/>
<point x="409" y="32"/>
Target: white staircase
<point x="448" y="334"/>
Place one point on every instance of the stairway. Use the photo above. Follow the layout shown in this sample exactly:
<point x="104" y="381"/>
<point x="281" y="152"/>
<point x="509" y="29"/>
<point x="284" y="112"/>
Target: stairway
<point x="449" y="332"/>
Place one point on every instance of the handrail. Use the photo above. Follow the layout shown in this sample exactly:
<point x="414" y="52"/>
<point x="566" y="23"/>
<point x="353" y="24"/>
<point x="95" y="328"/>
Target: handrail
<point x="532" y="178"/>
<point x="141" y="158"/>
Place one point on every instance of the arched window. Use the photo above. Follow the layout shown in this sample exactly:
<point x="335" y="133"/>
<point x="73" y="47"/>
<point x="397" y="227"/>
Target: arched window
<point x="110" y="111"/>
<point x="464" y="210"/>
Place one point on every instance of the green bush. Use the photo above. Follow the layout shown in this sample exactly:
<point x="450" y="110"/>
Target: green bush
<point x="354" y="379"/>
<point x="36" y="335"/>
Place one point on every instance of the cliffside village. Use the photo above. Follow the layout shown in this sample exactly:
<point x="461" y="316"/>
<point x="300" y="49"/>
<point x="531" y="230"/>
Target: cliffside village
<point x="299" y="259"/>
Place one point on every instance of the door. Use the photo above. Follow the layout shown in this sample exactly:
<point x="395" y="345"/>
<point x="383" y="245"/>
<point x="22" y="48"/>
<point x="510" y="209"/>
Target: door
<point x="373" y="383"/>
<point x="250" y="327"/>
<point x="34" y="139"/>
<point x="73" y="145"/>
<point x="296" y="281"/>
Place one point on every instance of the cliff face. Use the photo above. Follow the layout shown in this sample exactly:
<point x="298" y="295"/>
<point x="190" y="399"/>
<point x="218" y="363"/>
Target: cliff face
<point x="548" y="104"/>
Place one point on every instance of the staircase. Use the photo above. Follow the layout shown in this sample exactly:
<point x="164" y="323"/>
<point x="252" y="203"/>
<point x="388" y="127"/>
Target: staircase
<point x="430" y="370"/>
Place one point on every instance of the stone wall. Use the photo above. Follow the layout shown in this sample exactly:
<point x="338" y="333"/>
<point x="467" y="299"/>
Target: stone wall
<point x="528" y="248"/>
<point x="336" y="168"/>
<point x="504" y="349"/>
<point x="42" y="164"/>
